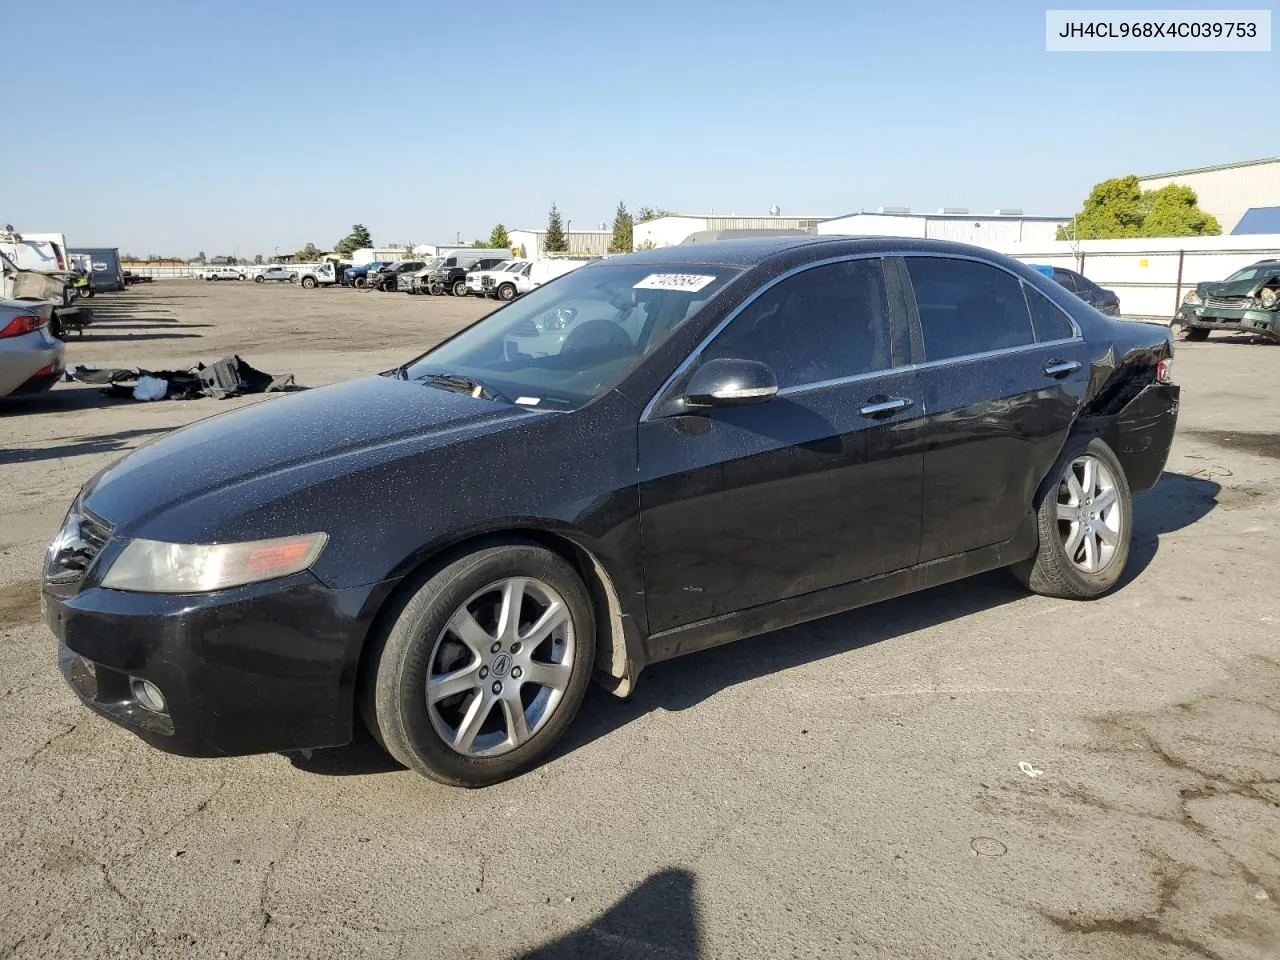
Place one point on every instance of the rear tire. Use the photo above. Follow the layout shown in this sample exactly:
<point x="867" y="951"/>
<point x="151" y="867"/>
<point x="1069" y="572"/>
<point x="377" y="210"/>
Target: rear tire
<point x="1085" y="524"/>
<point x="309" y="283"/>
<point x="1195" y="334"/>
<point x="459" y="288"/>
<point x="502" y="725"/>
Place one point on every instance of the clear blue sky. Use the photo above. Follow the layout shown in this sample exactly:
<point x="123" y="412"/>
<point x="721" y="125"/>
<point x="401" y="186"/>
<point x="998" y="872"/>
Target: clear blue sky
<point x="171" y="128"/>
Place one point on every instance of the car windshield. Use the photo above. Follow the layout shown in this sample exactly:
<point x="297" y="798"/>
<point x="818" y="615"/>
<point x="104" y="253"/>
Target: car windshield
<point x="573" y="339"/>
<point x="1248" y="273"/>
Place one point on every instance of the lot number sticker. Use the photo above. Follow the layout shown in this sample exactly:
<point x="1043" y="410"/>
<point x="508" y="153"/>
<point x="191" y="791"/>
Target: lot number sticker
<point x="690" y="282"/>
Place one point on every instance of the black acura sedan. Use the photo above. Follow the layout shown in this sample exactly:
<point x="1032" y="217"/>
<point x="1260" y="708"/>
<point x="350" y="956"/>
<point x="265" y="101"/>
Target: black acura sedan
<point x="648" y="456"/>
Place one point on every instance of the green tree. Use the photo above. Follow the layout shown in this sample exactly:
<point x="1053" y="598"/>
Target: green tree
<point x="480" y="244"/>
<point x="258" y="259"/>
<point x="357" y="239"/>
<point x="1119" y="207"/>
<point x="498" y="238"/>
<point x="555" y="241"/>
<point x="623" y="238"/>
<point x="1174" y="211"/>
<point x="308" y="253"/>
<point x="650" y="213"/>
<point x="201" y="257"/>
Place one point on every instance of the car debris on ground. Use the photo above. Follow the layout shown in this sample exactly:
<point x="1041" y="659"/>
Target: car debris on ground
<point x="228" y="377"/>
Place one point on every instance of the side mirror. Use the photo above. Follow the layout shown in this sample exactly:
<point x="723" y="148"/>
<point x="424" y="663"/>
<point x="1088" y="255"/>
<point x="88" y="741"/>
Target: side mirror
<point x="729" y="382"/>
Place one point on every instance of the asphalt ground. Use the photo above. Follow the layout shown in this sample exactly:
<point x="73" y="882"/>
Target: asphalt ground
<point x="967" y="772"/>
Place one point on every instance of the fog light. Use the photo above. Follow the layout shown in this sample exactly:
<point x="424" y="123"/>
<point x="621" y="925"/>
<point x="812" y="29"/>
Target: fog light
<point x="147" y="694"/>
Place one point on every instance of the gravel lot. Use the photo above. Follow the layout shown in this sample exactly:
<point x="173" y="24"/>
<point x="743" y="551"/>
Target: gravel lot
<point x="969" y="772"/>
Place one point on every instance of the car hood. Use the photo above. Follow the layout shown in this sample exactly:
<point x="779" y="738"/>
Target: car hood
<point x="236" y="462"/>
<point x="1237" y="288"/>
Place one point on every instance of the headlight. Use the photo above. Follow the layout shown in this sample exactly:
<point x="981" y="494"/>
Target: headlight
<point x="1269" y="298"/>
<point x="1191" y="299"/>
<point x="150" y="566"/>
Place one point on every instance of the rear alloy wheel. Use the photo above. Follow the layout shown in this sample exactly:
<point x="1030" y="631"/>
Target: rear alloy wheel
<point x="1196" y="334"/>
<point x="459" y="288"/>
<point x="507" y="292"/>
<point x="1085" y="524"/>
<point x="484" y="667"/>
<point x="309" y="282"/>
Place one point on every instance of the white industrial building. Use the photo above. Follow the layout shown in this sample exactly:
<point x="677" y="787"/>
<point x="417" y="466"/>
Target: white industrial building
<point x="1227" y="190"/>
<point x="531" y="244"/>
<point x="949" y="223"/>
<point x="674" y="228"/>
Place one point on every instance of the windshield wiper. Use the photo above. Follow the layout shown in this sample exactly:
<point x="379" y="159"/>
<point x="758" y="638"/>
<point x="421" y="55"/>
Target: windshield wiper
<point x="460" y="384"/>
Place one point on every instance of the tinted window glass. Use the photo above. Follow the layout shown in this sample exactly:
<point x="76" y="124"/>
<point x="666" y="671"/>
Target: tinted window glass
<point x="1066" y="278"/>
<point x="821" y="324"/>
<point x="967" y="307"/>
<point x="1050" y="322"/>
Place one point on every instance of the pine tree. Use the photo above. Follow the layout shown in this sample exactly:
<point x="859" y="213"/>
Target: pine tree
<point x="498" y="238"/>
<point x="623" y="240"/>
<point x="357" y="239"/>
<point x="555" y="240"/>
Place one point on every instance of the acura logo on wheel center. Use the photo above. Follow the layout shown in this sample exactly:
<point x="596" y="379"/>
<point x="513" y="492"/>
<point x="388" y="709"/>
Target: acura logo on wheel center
<point x="501" y="664"/>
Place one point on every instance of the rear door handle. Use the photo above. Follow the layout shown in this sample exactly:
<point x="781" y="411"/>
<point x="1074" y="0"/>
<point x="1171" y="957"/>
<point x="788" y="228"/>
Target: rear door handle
<point x="883" y="406"/>
<point x="1060" y="368"/>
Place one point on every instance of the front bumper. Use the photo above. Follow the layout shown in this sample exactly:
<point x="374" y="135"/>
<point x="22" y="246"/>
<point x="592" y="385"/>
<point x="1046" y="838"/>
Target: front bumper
<point x="1266" y="322"/>
<point x="255" y="669"/>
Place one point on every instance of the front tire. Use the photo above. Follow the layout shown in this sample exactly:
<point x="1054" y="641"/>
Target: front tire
<point x="507" y="292"/>
<point x="258" y="279"/>
<point x="1085" y="524"/>
<point x="1196" y="334"/>
<point x="309" y="283"/>
<point x="459" y="288"/>
<point x="483" y="667"/>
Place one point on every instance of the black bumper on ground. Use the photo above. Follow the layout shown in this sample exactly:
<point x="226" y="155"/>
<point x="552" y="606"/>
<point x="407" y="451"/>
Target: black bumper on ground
<point x="255" y="669"/>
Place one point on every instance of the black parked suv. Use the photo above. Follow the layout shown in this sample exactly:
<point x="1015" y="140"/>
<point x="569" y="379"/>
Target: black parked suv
<point x="386" y="277"/>
<point x="451" y="277"/>
<point x="1095" y="296"/>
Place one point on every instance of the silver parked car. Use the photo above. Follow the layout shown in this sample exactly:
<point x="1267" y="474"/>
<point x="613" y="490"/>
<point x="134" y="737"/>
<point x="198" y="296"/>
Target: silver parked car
<point x="30" y="356"/>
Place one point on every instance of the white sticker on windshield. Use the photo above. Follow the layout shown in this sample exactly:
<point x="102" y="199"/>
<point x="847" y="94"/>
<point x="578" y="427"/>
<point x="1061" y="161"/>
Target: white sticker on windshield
<point x="530" y="401"/>
<point x="690" y="282"/>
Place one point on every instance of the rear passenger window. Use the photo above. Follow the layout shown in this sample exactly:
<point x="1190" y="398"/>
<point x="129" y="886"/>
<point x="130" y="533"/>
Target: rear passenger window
<point x="1050" y="322"/>
<point x="967" y="307"/>
<point x="823" y="323"/>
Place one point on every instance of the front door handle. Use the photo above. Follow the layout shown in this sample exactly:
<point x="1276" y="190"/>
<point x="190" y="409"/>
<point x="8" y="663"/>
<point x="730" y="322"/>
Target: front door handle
<point x="1060" y="368"/>
<point x="884" y="406"/>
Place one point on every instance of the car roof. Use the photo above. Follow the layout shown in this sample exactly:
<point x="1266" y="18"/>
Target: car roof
<point x="752" y="251"/>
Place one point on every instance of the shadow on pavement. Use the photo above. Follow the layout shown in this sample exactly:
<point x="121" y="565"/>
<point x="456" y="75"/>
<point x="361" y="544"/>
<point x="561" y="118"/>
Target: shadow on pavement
<point x="105" y="443"/>
<point x="659" y="918"/>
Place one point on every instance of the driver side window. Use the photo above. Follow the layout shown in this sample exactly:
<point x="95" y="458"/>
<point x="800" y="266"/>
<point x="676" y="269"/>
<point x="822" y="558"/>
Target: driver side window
<point x="824" y="323"/>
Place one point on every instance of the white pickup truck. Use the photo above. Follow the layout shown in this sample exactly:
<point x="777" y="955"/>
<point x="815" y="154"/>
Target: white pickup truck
<point x="533" y="273"/>
<point x="224" y="273"/>
<point x="312" y="275"/>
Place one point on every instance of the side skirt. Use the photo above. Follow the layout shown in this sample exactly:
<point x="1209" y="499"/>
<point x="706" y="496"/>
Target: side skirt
<point x="821" y="603"/>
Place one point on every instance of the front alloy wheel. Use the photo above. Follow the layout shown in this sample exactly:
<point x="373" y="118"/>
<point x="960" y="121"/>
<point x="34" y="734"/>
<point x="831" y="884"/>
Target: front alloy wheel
<point x="482" y="665"/>
<point x="500" y="667"/>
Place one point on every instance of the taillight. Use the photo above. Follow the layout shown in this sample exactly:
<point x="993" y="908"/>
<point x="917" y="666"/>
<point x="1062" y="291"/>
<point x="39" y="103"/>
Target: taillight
<point x="1164" y="370"/>
<point x="22" y="323"/>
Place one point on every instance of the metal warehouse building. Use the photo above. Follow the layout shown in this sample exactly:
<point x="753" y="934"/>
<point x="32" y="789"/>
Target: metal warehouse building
<point x="674" y="228"/>
<point x="949" y="223"/>
<point x="531" y="244"/>
<point x="1227" y="190"/>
